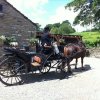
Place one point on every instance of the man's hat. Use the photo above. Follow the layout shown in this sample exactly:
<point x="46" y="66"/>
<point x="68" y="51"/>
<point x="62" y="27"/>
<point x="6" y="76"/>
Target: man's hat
<point x="46" y="29"/>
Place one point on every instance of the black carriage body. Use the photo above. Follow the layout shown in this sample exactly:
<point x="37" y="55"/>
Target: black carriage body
<point x="26" y="56"/>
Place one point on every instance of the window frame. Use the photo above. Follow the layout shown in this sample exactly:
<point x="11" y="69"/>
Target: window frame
<point x="1" y="8"/>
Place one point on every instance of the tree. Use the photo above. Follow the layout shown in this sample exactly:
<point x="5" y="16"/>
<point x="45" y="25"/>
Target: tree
<point x="38" y="28"/>
<point x="89" y="11"/>
<point x="63" y="28"/>
<point x="67" y="21"/>
<point x="50" y="26"/>
<point x="56" y="25"/>
<point x="55" y="30"/>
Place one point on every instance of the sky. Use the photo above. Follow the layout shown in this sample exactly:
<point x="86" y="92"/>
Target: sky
<point x="46" y="11"/>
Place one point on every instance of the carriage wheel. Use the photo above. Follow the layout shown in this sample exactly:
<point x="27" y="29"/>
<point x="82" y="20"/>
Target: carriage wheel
<point x="12" y="70"/>
<point x="46" y="65"/>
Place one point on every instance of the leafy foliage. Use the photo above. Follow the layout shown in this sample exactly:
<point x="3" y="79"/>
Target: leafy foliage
<point x="38" y="28"/>
<point x="33" y="41"/>
<point x="55" y="30"/>
<point x="8" y="40"/>
<point x="91" y="39"/>
<point x="89" y="12"/>
<point x="63" y="28"/>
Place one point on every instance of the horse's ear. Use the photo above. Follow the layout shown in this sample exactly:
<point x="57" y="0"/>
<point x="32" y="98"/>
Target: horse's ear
<point x="82" y="43"/>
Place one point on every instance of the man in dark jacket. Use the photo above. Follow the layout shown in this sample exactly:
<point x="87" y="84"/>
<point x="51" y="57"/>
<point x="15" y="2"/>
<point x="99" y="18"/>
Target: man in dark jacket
<point x="46" y="41"/>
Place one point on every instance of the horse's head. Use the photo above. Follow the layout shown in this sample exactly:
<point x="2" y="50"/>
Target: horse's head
<point x="81" y="44"/>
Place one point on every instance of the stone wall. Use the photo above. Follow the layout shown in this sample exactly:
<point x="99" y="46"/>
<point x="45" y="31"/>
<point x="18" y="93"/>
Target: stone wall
<point x="14" y="23"/>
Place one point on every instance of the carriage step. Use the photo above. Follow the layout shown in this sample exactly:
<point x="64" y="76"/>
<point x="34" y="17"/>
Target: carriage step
<point x="34" y="64"/>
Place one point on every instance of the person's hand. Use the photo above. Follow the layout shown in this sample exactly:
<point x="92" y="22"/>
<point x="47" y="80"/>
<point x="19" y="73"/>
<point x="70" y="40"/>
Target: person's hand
<point x="46" y="46"/>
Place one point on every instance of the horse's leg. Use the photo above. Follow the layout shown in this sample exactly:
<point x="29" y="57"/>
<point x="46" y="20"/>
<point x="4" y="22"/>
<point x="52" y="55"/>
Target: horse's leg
<point x="63" y="65"/>
<point x="69" y="68"/>
<point x="82" y="62"/>
<point x="76" y="63"/>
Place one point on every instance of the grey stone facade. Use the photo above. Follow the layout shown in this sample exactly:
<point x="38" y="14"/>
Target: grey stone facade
<point x="14" y="23"/>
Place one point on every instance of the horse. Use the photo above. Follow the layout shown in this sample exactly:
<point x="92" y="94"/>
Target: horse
<point x="73" y="51"/>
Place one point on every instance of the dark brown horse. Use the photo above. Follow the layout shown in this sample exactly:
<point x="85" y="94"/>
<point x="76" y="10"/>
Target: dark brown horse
<point x="74" y="51"/>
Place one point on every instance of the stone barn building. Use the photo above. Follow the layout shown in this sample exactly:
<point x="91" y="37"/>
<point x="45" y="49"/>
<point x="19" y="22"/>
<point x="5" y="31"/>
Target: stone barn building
<point x="14" y="23"/>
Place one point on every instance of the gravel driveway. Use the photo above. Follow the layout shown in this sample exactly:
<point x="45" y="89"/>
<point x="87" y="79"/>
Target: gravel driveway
<point x="81" y="85"/>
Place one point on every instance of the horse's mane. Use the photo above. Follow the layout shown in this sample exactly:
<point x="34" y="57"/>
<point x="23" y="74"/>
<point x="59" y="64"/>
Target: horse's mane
<point x="80" y="43"/>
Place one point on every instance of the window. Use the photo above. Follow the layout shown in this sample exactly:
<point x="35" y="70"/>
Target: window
<point x="1" y="8"/>
<point x="1" y="11"/>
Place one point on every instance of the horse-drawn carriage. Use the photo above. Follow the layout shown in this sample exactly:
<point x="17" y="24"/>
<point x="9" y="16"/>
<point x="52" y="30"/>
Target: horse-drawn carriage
<point x="16" y="63"/>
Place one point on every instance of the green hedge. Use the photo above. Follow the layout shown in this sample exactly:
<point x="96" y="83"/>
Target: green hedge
<point x="91" y="39"/>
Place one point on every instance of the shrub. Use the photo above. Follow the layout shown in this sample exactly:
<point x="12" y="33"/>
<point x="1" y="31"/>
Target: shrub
<point x="33" y="41"/>
<point x="2" y="39"/>
<point x="8" y="40"/>
<point x="91" y="39"/>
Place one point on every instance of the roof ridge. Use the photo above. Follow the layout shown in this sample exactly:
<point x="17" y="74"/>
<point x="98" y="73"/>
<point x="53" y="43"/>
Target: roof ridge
<point x="20" y="13"/>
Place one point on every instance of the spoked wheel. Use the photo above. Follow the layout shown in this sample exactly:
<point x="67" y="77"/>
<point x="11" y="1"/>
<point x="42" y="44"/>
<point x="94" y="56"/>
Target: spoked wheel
<point x="12" y="70"/>
<point x="46" y="65"/>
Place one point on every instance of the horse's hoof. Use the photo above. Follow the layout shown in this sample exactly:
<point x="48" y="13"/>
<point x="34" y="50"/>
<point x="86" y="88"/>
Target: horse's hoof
<point x="63" y="70"/>
<point x="83" y="68"/>
<point x="70" y="71"/>
<point x="58" y="70"/>
<point x="58" y="67"/>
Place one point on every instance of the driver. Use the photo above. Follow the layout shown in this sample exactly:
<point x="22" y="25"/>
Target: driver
<point x="46" y="41"/>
